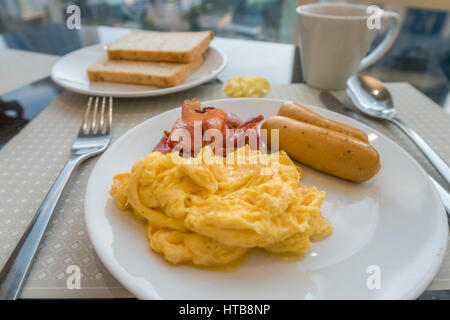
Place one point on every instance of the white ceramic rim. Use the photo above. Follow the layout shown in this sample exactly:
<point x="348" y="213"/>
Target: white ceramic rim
<point x="141" y="93"/>
<point x="303" y="10"/>
<point x="141" y="293"/>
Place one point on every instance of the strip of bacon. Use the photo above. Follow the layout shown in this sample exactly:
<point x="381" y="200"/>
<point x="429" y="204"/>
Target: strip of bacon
<point x="210" y="118"/>
<point x="163" y="146"/>
<point x="233" y="121"/>
<point x="252" y="122"/>
<point x="246" y="133"/>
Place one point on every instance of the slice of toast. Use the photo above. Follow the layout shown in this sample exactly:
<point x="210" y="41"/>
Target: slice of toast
<point x="161" y="74"/>
<point x="160" y="46"/>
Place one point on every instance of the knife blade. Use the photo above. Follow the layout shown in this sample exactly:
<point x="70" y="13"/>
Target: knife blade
<point x="333" y="104"/>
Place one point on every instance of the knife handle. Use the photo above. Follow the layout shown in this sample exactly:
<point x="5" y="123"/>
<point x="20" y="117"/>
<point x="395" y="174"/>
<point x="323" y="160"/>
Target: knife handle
<point x="440" y="165"/>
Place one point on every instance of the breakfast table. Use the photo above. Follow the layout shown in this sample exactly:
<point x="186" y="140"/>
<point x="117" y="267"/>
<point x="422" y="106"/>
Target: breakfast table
<point x="40" y="120"/>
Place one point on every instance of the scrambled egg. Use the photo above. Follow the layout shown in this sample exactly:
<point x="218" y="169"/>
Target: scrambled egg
<point x="211" y="210"/>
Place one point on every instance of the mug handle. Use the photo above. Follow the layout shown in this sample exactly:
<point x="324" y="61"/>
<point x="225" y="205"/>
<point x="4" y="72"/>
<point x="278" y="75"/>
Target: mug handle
<point x="388" y="41"/>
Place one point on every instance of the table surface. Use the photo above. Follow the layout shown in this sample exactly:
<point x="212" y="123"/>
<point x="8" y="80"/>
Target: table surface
<point x="279" y="63"/>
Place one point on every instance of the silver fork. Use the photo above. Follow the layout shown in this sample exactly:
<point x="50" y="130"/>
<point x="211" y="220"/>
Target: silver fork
<point x="93" y="138"/>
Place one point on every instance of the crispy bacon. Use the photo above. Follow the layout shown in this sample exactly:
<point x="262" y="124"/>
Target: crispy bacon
<point x="233" y="121"/>
<point x="178" y="133"/>
<point x="246" y="133"/>
<point x="252" y="123"/>
<point x="163" y="145"/>
<point x="210" y="118"/>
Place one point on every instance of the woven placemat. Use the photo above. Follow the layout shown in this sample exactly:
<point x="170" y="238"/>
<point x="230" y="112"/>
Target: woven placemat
<point x="31" y="161"/>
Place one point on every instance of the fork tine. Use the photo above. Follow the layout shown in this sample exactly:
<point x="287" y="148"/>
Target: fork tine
<point x="84" y="125"/>
<point x="94" y="117"/>
<point x="97" y="122"/>
<point x="102" y="116"/>
<point x="109" y="119"/>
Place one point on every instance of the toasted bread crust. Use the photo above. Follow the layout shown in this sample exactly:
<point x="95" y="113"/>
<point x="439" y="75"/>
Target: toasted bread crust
<point x="115" y="52"/>
<point x="97" y="72"/>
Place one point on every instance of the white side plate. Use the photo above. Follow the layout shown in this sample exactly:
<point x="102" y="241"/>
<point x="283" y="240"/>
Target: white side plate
<point x="70" y="73"/>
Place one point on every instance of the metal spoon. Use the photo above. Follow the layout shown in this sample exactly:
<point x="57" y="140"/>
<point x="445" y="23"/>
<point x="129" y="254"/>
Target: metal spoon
<point x="371" y="97"/>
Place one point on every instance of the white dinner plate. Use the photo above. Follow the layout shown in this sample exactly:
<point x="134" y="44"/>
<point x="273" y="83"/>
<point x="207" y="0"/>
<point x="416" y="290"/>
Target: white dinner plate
<point x="393" y="228"/>
<point x="70" y="73"/>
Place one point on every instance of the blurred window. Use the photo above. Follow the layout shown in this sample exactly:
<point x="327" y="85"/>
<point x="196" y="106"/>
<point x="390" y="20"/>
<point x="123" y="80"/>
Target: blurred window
<point x="269" y="20"/>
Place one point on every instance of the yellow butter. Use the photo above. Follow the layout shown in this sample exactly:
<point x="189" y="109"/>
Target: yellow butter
<point x="246" y="86"/>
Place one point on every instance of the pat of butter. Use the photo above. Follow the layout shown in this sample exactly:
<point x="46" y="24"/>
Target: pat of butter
<point x="246" y="86"/>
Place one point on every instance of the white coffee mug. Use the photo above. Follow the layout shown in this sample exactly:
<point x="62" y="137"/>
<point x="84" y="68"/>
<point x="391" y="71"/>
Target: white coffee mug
<point x="334" y="37"/>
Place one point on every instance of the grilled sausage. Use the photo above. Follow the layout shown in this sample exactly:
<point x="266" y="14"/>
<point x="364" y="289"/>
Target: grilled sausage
<point x="296" y="111"/>
<point x="326" y="150"/>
